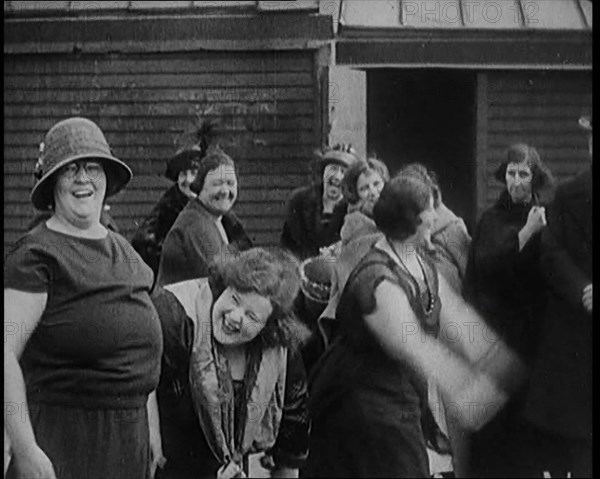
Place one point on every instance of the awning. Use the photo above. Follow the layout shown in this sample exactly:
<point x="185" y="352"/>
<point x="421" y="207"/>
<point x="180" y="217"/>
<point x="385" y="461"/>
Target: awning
<point x="540" y="34"/>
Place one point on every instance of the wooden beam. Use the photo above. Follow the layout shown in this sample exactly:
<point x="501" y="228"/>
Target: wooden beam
<point x="167" y="33"/>
<point x="469" y="49"/>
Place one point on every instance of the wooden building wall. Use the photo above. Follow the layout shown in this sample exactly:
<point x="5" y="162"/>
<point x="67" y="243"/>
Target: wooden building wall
<point x="540" y="108"/>
<point x="268" y="105"/>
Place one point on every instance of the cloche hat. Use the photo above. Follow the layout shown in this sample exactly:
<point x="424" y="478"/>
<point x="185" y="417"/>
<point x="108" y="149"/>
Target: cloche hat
<point x="189" y="156"/>
<point x="342" y="154"/>
<point x="70" y="140"/>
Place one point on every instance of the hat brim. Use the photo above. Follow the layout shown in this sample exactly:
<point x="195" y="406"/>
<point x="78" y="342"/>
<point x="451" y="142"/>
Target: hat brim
<point x="585" y="123"/>
<point x="42" y="194"/>
<point x="338" y="157"/>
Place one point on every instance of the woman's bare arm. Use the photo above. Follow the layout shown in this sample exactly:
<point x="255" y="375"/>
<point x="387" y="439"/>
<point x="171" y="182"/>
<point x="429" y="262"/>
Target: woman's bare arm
<point x="474" y="395"/>
<point x="22" y="313"/>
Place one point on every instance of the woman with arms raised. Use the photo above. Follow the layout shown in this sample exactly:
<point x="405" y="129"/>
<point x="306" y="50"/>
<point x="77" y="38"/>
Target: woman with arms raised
<point x="397" y="319"/>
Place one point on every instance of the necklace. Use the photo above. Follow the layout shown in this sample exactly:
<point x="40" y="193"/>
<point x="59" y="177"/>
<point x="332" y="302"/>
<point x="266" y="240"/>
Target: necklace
<point x="431" y="303"/>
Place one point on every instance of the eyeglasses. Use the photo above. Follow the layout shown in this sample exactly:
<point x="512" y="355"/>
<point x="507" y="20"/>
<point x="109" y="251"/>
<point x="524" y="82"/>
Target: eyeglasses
<point x="92" y="169"/>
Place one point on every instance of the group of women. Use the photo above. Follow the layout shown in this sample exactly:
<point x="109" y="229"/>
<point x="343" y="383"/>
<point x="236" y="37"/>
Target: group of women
<point x="125" y="379"/>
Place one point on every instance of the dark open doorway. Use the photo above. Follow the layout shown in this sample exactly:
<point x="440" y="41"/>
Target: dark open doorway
<point x="427" y="116"/>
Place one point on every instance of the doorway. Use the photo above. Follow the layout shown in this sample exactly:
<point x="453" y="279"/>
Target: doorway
<point x="427" y="116"/>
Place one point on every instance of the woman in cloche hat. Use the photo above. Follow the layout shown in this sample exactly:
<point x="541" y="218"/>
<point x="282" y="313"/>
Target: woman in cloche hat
<point x="315" y="213"/>
<point x="90" y="361"/>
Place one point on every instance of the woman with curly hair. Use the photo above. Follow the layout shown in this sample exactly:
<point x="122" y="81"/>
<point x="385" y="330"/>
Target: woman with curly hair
<point x="361" y="187"/>
<point x="232" y="382"/>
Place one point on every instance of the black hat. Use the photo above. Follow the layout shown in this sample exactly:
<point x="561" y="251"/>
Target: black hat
<point x="188" y="157"/>
<point x="183" y="160"/>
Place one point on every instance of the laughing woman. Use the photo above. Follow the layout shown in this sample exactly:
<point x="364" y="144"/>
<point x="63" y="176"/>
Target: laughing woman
<point x="89" y="363"/>
<point x="231" y="382"/>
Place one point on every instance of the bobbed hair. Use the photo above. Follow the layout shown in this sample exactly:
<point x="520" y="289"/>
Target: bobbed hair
<point x="402" y="200"/>
<point x="272" y="273"/>
<point x="542" y="179"/>
<point x="349" y="184"/>
<point x="213" y="159"/>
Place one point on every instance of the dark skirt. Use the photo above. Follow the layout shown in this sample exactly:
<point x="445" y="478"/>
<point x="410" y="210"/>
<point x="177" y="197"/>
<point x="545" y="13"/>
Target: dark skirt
<point x="366" y="420"/>
<point x="92" y="443"/>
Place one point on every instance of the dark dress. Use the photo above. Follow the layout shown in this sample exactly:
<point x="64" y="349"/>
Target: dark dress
<point x="306" y="227"/>
<point x="507" y="288"/>
<point x="94" y="356"/>
<point x="365" y="407"/>
<point x="184" y="444"/>
<point x="148" y="239"/>
<point x="105" y="219"/>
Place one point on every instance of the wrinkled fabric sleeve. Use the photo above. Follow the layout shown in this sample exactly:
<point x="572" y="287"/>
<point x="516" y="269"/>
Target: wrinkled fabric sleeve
<point x="458" y="243"/>
<point x="561" y="273"/>
<point x="291" y="446"/>
<point x="495" y="248"/>
<point x="177" y="328"/>
<point x="27" y="268"/>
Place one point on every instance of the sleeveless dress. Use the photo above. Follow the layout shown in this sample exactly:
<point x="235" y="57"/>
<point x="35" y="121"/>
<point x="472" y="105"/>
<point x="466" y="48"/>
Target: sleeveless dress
<point x="366" y="408"/>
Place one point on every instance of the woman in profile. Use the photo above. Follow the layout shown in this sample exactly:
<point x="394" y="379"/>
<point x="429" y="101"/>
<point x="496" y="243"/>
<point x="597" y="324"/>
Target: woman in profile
<point x="396" y="315"/>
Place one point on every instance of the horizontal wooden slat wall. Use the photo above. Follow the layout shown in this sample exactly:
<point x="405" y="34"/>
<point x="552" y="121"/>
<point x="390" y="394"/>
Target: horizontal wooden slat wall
<point x="267" y="105"/>
<point x="541" y="109"/>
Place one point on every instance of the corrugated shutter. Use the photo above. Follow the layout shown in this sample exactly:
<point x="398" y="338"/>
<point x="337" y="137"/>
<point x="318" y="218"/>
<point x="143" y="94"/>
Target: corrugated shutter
<point x="540" y="109"/>
<point x="268" y="105"/>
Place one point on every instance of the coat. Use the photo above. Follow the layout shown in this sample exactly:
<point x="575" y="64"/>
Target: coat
<point x="505" y="284"/>
<point x="194" y="242"/>
<point x="303" y="231"/>
<point x="148" y="239"/>
<point x="506" y="287"/>
<point x="451" y="241"/>
<point x="559" y="399"/>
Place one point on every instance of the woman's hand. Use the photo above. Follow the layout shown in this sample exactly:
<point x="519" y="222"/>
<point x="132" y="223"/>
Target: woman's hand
<point x="588" y="298"/>
<point x="33" y="464"/>
<point x="536" y="219"/>
<point x="156" y="454"/>
<point x="230" y="471"/>
<point x="332" y="251"/>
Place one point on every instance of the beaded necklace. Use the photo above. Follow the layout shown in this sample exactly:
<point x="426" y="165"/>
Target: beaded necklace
<point x="431" y="303"/>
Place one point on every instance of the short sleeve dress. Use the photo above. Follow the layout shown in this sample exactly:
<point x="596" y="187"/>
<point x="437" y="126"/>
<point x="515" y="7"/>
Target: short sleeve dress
<point x="94" y="356"/>
<point x="365" y="407"/>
